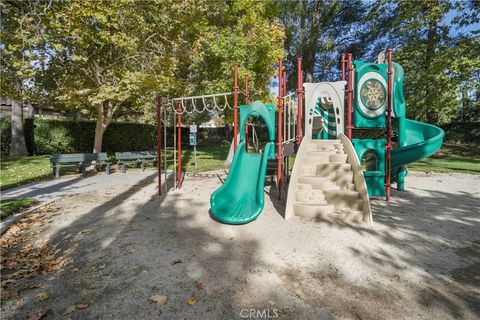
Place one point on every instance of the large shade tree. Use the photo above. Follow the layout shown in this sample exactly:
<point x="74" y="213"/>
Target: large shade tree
<point x="18" y="27"/>
<point x="437" y="43"/>
<point x="97" y="57"/>
<point x="317" y="31"/>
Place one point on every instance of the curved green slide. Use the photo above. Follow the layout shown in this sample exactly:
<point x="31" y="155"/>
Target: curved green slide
<point x="421" y="141"/>
<point x="241" y="199"/>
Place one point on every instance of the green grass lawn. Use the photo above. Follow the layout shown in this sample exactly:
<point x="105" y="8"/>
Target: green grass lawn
<point x="11" y="206"/>
<point x="450" y="159"/>
<point x="208" y="158"/>
<point x="447" y="164"/>
<point x="19" y="171"/>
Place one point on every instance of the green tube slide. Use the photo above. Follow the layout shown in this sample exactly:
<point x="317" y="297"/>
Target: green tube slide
<point x="241" y="198"/>
<point x="421" y="141"/>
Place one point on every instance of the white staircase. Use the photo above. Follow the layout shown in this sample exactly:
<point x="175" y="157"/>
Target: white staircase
<point x="324" y="184"/>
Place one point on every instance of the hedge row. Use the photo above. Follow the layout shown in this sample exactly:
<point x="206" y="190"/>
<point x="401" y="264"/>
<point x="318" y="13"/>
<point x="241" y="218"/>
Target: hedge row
<point x="48" y="136"/>
<point x="462" y="132"/>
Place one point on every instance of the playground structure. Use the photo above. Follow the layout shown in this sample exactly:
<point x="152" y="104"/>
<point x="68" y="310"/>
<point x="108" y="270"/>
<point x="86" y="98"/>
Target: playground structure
<point x="334" y="173"/>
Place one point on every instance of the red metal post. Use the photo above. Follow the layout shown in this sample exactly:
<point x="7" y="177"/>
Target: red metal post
<point x="159" y="145"/>
<point x="235" y="107"/>
<point x="300" y="99"/>
<point x="246" y="102"/>
<point x="246" y="88"/>
<point x="389" y="123"/>
<point x="279" y="127"/>
<point x="179" y="145"/>
<point x="342" y="62"/>
<point x="349" y="95"/>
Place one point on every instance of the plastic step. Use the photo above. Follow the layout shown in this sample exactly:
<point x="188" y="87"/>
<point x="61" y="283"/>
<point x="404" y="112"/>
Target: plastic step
<point x="302" y="196"/>
<point x="351" y="215"/>
<point x="338" y="158"/>
<point x="319" y="183"/>
<point x="313" y="210"/>
<point x="344" y="199"/>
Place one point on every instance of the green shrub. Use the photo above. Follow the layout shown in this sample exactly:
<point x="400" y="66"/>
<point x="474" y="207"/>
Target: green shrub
<point x="462" y="132"/>
<point x="5" y="135"/>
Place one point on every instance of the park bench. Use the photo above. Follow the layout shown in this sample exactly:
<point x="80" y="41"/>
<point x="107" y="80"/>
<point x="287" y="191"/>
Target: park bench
<point x="82" y="160"/>
<point x="139" y="157"/>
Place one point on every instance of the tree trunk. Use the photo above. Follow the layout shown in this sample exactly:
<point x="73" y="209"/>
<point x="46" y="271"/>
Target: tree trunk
<point x="18" y="147"/>
<point x="31" y="110"/>
<point x="99" y="131"/>
<point x="102" y="123"/>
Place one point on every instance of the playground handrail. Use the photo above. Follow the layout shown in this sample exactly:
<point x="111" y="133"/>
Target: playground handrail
<point x="358" y="177"/>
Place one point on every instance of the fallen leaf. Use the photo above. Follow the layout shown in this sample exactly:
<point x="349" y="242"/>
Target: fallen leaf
<point x="176" y="262"/>
<point x="159" y="299"/>
<point x="477" y="277"/>
<point x="81" y="306"/>
<point x="192" y="301"/>
<point x="42" y="296"/>
<point x="69" y="310"/>
<point x="5" y="282"/>
<point x="9" y="294"/>
<point x="199" y="285"/>
<point x="34" y="286"/>
<point x="38" y="315"/>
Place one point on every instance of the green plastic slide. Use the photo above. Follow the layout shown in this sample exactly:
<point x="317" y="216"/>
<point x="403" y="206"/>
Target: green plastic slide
<point x="241" y="199"/>
<point x="421" y="141"/>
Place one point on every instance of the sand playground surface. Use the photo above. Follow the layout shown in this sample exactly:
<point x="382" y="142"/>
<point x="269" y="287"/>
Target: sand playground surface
<point x="122" y="252"/>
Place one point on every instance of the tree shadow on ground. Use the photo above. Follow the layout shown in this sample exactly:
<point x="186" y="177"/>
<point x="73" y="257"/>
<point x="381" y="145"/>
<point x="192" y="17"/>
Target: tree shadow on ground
<point x="428" y="233"/>
<point x="432" y="234"/>
<point x="126" y="250"/>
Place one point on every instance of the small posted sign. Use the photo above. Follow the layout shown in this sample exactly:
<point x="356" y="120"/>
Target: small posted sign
<point x="193" y="139"/>
<point x="193" y="128"/>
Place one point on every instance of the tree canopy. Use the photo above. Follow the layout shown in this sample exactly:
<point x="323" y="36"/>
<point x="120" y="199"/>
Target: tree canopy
<point x="104" y="59"/>
<point x="97" y="57"/>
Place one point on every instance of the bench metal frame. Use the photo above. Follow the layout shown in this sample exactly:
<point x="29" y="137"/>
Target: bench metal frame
<point x="82" y="160"/>
<point x="123" y="158"/>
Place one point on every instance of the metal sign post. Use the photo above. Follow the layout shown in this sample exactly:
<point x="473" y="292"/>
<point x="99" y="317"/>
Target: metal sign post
<point x="193" y="142"/>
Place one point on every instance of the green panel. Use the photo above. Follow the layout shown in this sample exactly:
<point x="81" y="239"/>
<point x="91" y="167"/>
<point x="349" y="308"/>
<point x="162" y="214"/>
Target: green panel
<point x="374" y="98"/>
<point x="241" y="198"/>
<point x="375" y="173"/>
<point x="375" y="185"/>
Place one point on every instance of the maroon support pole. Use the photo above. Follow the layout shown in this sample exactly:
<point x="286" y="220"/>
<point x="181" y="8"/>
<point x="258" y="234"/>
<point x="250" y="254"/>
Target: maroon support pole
<point x="246" y="102"/>
<point x="279" y="127"/>
<point x="179" y="145"/>
<point x="300" y="99"/>
<point x="342" y="62"/>
<point x="235" y="107"/>
<point x="389" y="124"/>
<point x="159" y="145"/>
<point x="349" y="95"/>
